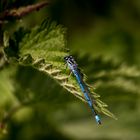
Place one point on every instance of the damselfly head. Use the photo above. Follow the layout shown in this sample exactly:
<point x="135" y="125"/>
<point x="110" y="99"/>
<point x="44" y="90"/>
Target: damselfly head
<point x="69" y="57"/>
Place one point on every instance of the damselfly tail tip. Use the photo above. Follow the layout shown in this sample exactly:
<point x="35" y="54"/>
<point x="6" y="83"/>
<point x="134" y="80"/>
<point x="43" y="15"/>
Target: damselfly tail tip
<point x="99" y="122"/>
<point x="98" y="119"/>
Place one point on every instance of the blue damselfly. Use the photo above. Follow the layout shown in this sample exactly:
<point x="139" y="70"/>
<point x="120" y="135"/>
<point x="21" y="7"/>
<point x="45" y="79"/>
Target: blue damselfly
<point x="79" y="77"/>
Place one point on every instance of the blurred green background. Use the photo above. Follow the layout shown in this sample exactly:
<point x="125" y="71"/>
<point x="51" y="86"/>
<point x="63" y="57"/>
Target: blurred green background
<point x="104" y="37"/>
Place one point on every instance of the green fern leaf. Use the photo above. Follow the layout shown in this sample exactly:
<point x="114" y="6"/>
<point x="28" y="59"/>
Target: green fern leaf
<point x="44" y="48"/>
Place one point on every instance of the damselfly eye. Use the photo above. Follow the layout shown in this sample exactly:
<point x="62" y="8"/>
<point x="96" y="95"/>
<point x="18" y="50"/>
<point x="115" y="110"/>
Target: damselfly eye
<point x="71" y="56"/>
<point x="66" y="58"/>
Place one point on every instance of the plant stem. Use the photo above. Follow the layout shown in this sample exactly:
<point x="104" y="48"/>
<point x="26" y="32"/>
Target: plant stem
<point x="22" y="11"/>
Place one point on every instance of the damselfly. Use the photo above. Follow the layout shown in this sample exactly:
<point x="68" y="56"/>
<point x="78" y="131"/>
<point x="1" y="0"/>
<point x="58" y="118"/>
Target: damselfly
<point x="75" y="70"/>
